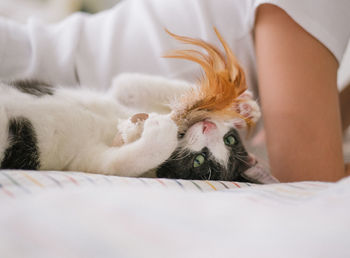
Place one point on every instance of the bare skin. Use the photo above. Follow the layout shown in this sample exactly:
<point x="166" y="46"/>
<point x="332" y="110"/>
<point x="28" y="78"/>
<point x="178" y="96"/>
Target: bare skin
<point x="345" y="113"/>
<point x="345" y="107"/>
<point x="298" y="86"/>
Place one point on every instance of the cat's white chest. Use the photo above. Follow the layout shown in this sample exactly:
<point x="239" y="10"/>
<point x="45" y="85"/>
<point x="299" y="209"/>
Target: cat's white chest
<point x="73" y="126"/>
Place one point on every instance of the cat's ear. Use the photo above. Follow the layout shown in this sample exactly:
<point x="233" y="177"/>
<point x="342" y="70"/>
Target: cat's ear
<point x="247" y="108"/>
<point x="257" y="173"/>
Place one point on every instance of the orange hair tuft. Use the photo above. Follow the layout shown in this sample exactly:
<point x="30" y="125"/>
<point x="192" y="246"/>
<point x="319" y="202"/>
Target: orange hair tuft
<point x="220" y="86"/>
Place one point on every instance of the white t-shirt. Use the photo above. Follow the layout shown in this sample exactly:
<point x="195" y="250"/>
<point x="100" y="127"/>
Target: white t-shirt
<point x="92" y="49"/>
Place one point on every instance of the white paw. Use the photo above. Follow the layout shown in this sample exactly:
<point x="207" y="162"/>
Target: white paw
<point x="124" y="89"/>
<point x="248" y="108"/>
<point x="129" y="131"/>
<point x="160" y="126"/>
<point x="160" y="133"/>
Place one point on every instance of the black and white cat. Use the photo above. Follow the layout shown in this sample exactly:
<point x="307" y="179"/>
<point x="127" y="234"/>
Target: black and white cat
<point x="57" y="128"/>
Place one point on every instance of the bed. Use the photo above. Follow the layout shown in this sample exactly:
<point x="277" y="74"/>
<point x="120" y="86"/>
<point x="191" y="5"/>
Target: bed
<point x="52" y="214"/>
<point x="74" y="214"/>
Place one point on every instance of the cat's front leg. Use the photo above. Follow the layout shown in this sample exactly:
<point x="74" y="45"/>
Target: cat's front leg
<point x="157" y="143"/>
<point x="147" y="93"/>
<point x="248" y="108"/>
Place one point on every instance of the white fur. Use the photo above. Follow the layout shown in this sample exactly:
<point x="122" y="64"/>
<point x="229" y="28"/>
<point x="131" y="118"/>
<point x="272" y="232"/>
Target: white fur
<point x="130" y="131"/>
<point x="147" y="93"/>
<point x="76" y="127"/>
<point x="75" y="130"/>
<point x="195" y="140"/>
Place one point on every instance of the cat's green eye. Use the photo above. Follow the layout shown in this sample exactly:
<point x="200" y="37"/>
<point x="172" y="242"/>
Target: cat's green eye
<point x="230" y="140"/>
<point x="198" y="161"/>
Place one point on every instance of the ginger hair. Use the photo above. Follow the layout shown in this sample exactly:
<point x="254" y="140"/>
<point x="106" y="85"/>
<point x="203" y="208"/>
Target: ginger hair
<point x="219" y="87"/>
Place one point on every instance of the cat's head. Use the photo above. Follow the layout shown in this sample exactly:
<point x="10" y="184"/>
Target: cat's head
<point x="209" y="115"/>
<point x="209" y="150"/>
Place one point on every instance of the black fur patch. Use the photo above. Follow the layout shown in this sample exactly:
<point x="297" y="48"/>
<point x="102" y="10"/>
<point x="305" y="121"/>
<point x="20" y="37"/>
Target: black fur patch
<point x="22" y="152"/>
<point x="180" y="164"/>
<point x="33" y="87"/>
<point x="238" y="160"/>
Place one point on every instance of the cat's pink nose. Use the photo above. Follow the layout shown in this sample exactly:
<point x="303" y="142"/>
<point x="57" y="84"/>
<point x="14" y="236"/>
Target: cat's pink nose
<point x="208" y="126"/>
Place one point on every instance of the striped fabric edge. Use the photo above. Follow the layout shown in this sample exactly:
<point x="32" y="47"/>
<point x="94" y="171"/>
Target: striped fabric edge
<point x="14" y="182"/>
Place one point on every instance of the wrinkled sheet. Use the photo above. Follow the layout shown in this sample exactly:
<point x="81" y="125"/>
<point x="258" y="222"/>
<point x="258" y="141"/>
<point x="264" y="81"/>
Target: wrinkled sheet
<point x="67" y="214"/>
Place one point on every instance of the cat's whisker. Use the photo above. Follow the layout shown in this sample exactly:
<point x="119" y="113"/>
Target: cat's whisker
<point x="245" y="162"/>
<point x="181" y="155"/>
<point x="242" y="155"/>
<point x="179" y="158"/>
<point x="209" y="173"/>
<point x="241" y="152"/>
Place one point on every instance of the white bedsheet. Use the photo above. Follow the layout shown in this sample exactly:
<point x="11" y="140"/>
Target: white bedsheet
<point x="86" y="215"/>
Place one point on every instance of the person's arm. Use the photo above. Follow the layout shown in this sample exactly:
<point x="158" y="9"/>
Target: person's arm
<point x="298" y="86"/>
<point x="345" y="106"/>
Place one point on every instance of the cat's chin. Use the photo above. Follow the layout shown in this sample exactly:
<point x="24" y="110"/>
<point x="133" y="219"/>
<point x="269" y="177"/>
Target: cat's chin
<point x="206" y="129"/>
<point x="205" y="126"/>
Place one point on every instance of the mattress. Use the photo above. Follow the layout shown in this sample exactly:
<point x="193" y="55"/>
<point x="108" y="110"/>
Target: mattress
<point x="72" y="214"/>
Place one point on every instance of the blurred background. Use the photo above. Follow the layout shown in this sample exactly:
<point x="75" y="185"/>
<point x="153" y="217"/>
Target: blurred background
<point x="56" y="10"/>
<point x="50" y="10"/>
